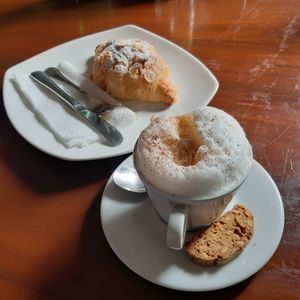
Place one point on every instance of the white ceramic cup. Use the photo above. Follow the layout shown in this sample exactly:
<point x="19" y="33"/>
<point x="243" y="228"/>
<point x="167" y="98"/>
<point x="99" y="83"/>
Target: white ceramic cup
<point x="186" y="213"/>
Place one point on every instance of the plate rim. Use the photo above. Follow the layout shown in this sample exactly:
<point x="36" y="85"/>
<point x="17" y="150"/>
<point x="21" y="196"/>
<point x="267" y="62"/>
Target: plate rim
<point x="244" y="277"/>
<point x="63" y="155"/>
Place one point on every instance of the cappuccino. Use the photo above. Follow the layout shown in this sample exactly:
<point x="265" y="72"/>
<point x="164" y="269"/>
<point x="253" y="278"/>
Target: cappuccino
<point x="203" y="154"/>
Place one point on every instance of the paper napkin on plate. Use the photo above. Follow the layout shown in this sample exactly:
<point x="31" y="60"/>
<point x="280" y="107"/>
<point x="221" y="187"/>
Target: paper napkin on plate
<point x="67" y="127"/>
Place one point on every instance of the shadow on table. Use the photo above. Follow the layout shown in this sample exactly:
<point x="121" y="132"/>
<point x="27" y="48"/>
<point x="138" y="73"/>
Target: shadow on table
<point x="97" y="273"/>
<point x="42" y="172"/>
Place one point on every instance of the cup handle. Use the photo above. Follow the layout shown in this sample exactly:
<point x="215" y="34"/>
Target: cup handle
<point x="177" y="226"/>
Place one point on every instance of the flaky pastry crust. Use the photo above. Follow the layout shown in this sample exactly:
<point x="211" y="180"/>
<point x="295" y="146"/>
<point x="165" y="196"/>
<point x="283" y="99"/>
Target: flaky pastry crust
<point x="132" y="70"/>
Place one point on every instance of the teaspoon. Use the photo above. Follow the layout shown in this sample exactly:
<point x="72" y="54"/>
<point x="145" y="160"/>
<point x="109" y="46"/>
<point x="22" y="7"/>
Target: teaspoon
<point x="128" y="179"/>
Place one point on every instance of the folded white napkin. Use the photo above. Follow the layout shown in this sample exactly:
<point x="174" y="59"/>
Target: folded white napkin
<point x="68" y="127"/>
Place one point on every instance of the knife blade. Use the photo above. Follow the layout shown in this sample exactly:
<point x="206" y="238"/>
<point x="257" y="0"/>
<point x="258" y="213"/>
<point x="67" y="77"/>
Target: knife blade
<point x="107" y="130"/>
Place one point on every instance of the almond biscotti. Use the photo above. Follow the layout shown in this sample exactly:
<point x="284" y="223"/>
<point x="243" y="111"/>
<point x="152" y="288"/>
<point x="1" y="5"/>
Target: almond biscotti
<point x="132" y="70"/>
<point x="224" y="239"/>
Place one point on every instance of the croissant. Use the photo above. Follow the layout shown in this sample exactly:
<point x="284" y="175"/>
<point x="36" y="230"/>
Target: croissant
<point x="132" y="70"/>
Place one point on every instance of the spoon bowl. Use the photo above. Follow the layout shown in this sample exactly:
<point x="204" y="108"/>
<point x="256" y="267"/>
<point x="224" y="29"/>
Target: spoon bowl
<point x="127" y="178"/>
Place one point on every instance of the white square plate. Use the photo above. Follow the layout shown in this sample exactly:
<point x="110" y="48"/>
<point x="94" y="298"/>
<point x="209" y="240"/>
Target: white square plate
<point x="196" y="86"/>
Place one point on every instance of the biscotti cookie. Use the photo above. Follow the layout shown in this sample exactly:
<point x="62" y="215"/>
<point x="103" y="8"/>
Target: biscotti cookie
<point x="224" y="239"/>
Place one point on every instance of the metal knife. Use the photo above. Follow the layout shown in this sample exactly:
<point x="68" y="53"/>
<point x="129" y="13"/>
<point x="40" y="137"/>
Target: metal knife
<point x="111" y="133"/>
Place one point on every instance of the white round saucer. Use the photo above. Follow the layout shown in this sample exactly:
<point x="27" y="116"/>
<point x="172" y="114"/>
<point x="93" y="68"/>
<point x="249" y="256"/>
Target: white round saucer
<point x="137" y="235"/>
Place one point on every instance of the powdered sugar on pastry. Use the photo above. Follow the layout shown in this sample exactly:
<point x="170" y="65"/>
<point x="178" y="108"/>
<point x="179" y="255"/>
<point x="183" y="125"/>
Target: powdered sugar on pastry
<point x="203" y="153"/>
<point x="118" y="55"/>
<point x="132" y="70"/>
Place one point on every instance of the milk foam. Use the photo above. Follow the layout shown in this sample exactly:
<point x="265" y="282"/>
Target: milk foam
<point x="221" y="160"/>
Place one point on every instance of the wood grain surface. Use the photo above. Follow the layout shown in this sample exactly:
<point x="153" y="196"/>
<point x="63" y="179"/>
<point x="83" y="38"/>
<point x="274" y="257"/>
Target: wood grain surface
<point x="51" y="242"/>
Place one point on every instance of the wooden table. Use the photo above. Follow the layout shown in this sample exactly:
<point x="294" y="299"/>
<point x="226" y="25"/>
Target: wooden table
<point x="51" y="242"/>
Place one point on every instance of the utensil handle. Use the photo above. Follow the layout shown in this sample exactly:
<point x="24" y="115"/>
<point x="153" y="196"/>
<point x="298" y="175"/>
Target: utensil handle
<point x="47" y="82"/>
<point x="111" y="133"/>
<point x="54" y="72"/>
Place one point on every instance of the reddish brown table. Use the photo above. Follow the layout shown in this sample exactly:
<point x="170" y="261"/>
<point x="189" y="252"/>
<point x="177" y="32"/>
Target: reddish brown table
<point x="51" y="242"/>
